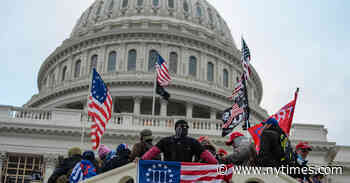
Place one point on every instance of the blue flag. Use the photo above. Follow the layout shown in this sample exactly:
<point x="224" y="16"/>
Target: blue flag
<point x="158" y="171"/>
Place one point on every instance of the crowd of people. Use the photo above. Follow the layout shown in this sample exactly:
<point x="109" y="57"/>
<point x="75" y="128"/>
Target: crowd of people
<point x="275" y="150"/>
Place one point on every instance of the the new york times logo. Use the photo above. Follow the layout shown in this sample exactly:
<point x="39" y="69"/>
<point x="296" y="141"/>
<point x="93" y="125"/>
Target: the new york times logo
<point x="283" y="170"/>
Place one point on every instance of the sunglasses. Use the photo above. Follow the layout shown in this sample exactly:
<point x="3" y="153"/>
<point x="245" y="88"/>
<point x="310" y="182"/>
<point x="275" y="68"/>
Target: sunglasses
<point x="304" y="150"/>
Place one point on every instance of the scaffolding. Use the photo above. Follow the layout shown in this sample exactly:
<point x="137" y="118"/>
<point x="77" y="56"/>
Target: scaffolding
<point x="19" y="168"/>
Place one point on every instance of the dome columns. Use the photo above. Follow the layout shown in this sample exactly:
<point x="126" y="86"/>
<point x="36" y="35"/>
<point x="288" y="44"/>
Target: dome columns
<point x="137" y="105"/>
<point x="189" y="110"/>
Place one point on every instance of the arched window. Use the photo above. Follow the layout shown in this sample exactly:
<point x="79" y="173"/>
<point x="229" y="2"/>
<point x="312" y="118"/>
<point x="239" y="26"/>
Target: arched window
<point x="198" y="11"/>
<point x="125" y="3"/>
<point x="173" y="62"/>
<point x="210" y="71"/>
<point x="99" y="8"/>
<point x="112" y="61"/>
<point x="171" y="4"/>
<point x="152" y="58"/>
<point x="93" y="63"/>
<point x="44" y="82"/>
<point x="132" y="60"/>
<point x="185" y="5"/>
<point x="77" y="69"/>
<point x="52" y="79"/>
<point x="111" y="5"/>
<point x="225" y="78"/>
<point x="210" y="15"/>
<point x="192" y="66"/>
<point x="64" y="70"/>
<point x="139" y="2"/>
<point x="155" y="3"/>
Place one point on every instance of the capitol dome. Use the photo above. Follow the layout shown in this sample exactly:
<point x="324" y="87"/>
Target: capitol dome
<point x="118" y="38"/>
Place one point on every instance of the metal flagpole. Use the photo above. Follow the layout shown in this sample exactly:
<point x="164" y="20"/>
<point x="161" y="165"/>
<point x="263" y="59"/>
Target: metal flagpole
<point x="154" y="93"/>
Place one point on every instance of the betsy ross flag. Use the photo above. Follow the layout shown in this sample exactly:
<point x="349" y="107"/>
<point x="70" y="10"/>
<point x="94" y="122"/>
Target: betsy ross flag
<point x="245" y="59"/>
<point x="284" y="117"/>
<point x="163" y="76"/>
<point x="99" y="108"/>
<point x="151" y="171"/>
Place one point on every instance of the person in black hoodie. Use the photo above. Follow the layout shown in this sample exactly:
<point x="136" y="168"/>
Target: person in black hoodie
<point x="180" y="147"/>
<point x="271" y="152"/>
<point x="121" y="158"/>
<point x="63" y="170"/>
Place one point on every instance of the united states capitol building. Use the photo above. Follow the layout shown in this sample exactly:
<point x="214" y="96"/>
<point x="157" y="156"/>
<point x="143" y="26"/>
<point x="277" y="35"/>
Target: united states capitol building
<point x="118" y="38"/>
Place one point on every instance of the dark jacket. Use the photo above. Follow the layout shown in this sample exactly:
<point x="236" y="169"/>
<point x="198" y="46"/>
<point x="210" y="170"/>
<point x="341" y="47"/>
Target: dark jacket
<point x="121" y="158"/>
<point x="64" y="168"/>
<point x="181" y="149"/>
<point x="139" y="149"/>
<point x="301" y="164"/>
<point x="271" y="152"/>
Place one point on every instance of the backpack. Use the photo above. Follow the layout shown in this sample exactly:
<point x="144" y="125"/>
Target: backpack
<point x="288" y="153"/>
<point x="82" y="170"/>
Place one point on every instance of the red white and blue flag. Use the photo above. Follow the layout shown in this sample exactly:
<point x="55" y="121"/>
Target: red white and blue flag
<point x="151" y="171"/>
<point x="245" y="59"/>
<point x="163" y="76"/>
<point x="99" y="108"/>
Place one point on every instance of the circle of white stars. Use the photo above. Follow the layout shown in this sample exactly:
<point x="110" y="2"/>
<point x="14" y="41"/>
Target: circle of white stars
<point x="165" y="167"/>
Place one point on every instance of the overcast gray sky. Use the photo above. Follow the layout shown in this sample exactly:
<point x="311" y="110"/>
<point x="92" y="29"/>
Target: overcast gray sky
<point x="294" y="43"/>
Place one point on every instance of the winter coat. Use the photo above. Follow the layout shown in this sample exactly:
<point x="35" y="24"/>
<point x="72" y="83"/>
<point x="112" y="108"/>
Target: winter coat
<point x="243" y="153"/>
<point x="299" y="162"/>
<point x="64" y="168"/>
<point x="121" y="158"/>
<point x="271" y="152"/>
<point x="139" y="149"/>
<point x="181" y="149"/>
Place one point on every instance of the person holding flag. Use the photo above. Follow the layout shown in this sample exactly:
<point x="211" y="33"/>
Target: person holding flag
<point x="284" y="117"/>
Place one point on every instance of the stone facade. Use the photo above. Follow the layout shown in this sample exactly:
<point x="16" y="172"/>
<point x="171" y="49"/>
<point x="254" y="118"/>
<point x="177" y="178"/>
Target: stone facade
<point x="117" y="38"/>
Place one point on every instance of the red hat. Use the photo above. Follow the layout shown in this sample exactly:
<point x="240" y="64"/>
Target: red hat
<point x="303" y="145"/>
<point x="202" y="138"/>
<point x="222" y="151"/>
<point x="232" y="137"/>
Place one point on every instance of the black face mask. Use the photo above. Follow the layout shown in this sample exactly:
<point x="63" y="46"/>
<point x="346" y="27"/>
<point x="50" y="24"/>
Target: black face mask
<point x="181" y="130"/>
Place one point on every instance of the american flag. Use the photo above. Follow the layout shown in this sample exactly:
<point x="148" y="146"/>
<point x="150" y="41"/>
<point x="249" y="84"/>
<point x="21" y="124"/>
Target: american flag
<point x="245" y="59"/>
<point x="99" y="108"/>
<point x="163" y="76"/>
<point x="150" y="171"/>
<point x="238" y="87"/>
<point x="235" y="110"/>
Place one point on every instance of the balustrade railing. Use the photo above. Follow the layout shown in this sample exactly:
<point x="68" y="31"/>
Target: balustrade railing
<point x="122" y="121"/>
<point x="30" y="114"/>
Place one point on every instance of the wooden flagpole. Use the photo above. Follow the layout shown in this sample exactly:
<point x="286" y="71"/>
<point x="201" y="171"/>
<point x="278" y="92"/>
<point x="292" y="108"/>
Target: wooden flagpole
<point x="83" y="122"/>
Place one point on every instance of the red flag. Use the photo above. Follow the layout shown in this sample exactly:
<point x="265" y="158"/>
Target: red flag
<point x="284" y="117"/>
<point x="255" y="132"/>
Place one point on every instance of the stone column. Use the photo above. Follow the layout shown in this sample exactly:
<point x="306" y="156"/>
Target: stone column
<point x="189" y="108"/>
<point x="212" y="114"/>
<point x="163" y="107"/>
<point x="137" y="105"/>
<point x="50" y="162"/>
<point x="2" y="158"/>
